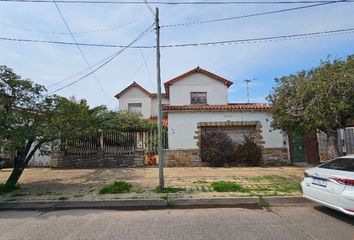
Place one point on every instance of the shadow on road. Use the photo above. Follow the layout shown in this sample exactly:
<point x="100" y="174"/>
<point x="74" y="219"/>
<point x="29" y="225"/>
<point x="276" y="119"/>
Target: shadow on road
<point x="336" y="214"/>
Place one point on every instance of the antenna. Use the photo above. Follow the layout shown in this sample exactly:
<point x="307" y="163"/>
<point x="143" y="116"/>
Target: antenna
<point x="247" y="81"/>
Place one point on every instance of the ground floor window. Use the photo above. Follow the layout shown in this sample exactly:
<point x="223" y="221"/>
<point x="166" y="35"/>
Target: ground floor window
<point x="236" y="133"/>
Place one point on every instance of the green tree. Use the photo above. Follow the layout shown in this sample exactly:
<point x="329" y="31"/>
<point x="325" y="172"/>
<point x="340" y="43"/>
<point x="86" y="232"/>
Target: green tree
<point x="30" y="120"/>
<point x="321" y="98"/>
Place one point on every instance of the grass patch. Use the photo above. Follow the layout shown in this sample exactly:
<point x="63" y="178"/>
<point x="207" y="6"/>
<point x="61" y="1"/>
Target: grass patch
<point x="63" y="198"/>
<point x="222" y="186"/>
<point x="2" y="188"/>
<point x="158" y="189"/>
<point x="137" y="190"/>
<point x="262" y="202"/>
<point x="18" y="194"/>
<point x="282" y="184"/>
<point x="116" y="187"/>
<point x="201" y="181"/>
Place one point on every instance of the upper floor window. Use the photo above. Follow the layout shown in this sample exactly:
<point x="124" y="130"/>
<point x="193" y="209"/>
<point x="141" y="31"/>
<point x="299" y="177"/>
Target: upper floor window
<point x="135" y="108"/>
<point x="198" y="98"/>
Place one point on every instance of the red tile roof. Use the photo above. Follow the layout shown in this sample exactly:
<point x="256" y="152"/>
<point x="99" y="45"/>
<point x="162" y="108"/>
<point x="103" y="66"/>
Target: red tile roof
<point x="218" y="108"/>
<point x="154" y="120"/>
<point x="197" y="70"/>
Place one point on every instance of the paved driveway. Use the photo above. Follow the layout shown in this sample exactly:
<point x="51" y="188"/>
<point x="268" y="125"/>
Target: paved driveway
<point x="278" y="223"/>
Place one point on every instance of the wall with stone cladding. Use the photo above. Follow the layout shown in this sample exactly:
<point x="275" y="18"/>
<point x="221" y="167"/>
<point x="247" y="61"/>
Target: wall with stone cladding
<point x="275" y="157"/>
<point x="183" y="158"/>
<point x="97" y="160"/>
<point x="191" y="158"/>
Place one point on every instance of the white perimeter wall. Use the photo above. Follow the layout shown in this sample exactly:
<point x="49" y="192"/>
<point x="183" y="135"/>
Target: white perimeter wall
<point x="135" y="95"/>
<point x="180" y="90"/>
<point x="182" y="127"/>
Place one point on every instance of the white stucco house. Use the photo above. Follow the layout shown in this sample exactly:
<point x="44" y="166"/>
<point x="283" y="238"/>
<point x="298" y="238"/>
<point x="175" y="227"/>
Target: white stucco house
<point x="198" y="100"/>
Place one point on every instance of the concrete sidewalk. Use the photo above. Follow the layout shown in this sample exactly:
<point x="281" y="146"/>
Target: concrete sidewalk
<point x="45" y="184"/>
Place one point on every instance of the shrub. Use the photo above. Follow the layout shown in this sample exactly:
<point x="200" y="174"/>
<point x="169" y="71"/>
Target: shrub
<point x="248" y="153"/>
<point x="216" y="148"/>
<point x="116" y="187"/>
<point x="222" y="186"/>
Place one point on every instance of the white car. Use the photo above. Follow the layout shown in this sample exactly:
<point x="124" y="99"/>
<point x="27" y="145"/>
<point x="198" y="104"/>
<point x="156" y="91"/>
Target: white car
<point x="332" y="184"/>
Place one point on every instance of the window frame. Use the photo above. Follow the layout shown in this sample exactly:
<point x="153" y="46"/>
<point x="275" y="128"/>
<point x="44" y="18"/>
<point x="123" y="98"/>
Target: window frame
<point x="196" y="103"/>
<point x="141" y="108"/>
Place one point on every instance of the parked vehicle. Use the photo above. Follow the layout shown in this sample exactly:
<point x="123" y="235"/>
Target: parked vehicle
<point x="332" y="184"/>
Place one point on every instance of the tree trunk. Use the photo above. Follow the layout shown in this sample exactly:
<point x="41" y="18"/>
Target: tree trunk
<point x="332" y="140"/>
<point x="20" y="164"/>
<point x="13" y="179"/>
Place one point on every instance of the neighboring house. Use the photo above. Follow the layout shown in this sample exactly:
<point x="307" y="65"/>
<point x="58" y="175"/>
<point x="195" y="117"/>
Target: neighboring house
<point x="198" y="100"/>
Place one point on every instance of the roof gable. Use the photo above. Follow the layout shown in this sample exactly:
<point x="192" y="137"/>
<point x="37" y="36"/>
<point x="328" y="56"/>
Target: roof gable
<point x="197" y="70"/>
<point x="133" y="85"/>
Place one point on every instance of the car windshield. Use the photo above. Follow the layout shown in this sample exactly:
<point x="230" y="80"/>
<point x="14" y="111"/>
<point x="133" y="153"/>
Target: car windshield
<point x="343" y="164"/>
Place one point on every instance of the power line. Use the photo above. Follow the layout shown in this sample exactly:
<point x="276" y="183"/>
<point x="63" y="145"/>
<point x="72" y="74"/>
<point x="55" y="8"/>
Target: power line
<point x="81" y="52"/>
<point x="66" y="33"/>
<point x="248" y="15"/>
<point x="172" y="3"/>
<point x="146" y="66"/>
<point x="78" y="73"/>
<point x="265" y="39"/>
<point x="108" y="60"/>
<point x="67" y="43"/>
<point x="244" y="41"/>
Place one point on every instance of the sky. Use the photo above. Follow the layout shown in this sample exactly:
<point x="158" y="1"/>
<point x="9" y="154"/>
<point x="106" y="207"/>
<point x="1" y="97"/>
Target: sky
<point x="50" y="64"/>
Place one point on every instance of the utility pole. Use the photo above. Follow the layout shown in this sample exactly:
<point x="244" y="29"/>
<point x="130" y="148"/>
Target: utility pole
<point x="159" y="101"/>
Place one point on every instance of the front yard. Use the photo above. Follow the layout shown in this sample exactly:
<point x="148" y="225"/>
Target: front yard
<point x="141" y="183"/>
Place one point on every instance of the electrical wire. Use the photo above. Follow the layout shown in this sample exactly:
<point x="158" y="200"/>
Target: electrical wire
<point x="107" y="61"/>
<point x="66" y="33"/>
<point x="248" y="40"/>
<point x="265" y="39"/>
<point x="78" y="73"/>
<point x="173" y="3"/>
<point x="248" y="15"/>
<point x="81" y="52"/>
<point x="66" y="43"/>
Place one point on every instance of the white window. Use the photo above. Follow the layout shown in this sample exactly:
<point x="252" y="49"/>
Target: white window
<point x="135" y="108"/>
<point x="198" y="98"/>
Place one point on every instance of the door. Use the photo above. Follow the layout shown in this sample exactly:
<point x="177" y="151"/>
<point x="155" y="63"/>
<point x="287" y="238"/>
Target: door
<point x="297" y="149"/>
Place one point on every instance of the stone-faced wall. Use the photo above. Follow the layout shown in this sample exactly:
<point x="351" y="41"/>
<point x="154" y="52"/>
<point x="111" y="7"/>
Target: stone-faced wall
<point x="183" y="158"/>
<point x="275" y="157"/>
<point x="97" y="159"/>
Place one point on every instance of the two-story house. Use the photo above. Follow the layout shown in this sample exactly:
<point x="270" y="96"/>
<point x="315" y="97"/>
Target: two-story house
<point x="198" y="100"/>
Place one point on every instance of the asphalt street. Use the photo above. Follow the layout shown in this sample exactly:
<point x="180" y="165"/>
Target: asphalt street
<point x="222" y="223"/>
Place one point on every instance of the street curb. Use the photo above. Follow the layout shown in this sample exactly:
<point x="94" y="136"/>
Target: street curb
<point x="286" y="201"/>
<point x="145" y="204"/>
<point x="242" y="202"/>
<point x="126" y="204"/>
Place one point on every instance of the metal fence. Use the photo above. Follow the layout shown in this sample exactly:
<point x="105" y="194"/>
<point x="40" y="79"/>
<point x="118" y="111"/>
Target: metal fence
<point x="114" y="143"/>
